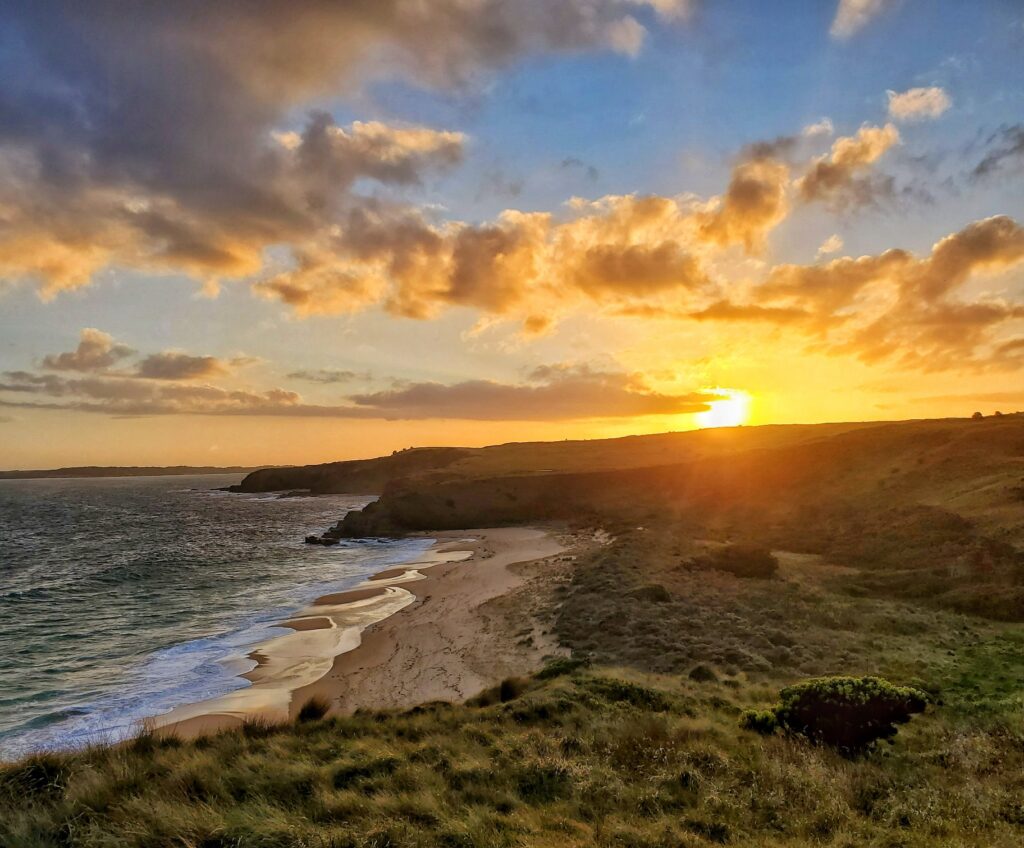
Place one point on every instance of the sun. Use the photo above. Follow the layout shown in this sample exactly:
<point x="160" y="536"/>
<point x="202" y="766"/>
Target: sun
<point x="731" y="411"/>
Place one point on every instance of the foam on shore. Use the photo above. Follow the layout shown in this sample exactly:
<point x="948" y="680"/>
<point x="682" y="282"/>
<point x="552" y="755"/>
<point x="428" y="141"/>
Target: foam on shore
<point x="331" y="626"/>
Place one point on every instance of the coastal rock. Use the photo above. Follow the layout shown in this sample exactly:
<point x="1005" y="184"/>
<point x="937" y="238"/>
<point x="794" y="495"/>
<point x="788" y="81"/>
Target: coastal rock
<point x="322" y="540"/>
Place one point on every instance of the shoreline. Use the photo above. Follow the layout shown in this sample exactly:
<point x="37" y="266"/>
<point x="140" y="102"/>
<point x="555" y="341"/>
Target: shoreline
<point x="334" y="648"/>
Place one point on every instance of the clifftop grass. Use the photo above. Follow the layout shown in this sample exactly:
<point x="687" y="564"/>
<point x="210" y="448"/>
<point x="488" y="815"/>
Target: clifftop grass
<point x="571" y="757"/>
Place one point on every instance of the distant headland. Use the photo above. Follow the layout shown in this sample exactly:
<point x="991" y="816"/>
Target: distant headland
<point x="126" y="471"/>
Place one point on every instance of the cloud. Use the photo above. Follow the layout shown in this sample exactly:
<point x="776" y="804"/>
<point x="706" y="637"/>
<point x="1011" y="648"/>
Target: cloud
<point x="25" y="382"/>
<point x="554" y="393"/>
<point x="837" y="176"/>
<point x="551" y="393"/>
<point x="329" y="375"/>
<point x="158" y="138"/>
<point x="96" y="351"/>
<point x="853" y="15"/>
<point x="126" y="396"/>
<point x="833" y="244"/>
<point x="822" y="127"/>
<point x="175" y="365"/>
<point x="908" y="309"/>
<point x="916" y="104"/>
<point x="1007" y="151"/>
<point x="724" y="310"/>
<point x="614" y="250"/>
<point x="754" y="203"/>
<point x="571" y="163"/>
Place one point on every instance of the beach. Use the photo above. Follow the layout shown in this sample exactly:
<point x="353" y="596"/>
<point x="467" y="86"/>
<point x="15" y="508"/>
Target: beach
<point x="429" y="629"/>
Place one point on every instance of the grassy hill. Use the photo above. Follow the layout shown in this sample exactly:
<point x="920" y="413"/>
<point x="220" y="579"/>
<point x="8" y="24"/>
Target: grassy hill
<point x="898" y="549"/>
<point x="640" y="748"/>
<point x="926" y="509"/>
<point x="371" y="476"/>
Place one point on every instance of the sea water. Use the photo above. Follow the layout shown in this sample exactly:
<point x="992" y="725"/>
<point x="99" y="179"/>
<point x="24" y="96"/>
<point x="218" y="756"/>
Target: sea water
<point x="121" y="598"/>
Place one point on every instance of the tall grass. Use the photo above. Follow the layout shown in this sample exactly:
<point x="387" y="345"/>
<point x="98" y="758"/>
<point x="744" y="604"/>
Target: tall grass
<point x="579" y="759"/>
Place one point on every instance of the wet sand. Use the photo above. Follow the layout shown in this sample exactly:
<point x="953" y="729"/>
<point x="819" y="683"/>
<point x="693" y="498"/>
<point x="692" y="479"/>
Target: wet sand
<point x="409" y="634"/>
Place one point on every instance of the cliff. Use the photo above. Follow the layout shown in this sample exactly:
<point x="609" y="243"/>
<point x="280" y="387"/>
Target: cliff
<point x="356" y="476"/>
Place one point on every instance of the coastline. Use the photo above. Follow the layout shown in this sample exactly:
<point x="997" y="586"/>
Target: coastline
<point x="414" y="632"/>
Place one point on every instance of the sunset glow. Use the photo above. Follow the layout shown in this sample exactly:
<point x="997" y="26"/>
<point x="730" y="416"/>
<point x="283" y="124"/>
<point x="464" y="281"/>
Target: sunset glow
<point x="732" y="411"/>
<point x="522" y="386"/>
<point x="235" y="236"/>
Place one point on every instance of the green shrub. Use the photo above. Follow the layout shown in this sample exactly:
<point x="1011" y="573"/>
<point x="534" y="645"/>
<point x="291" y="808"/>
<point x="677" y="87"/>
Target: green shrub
<point x="561" y="666"/>
<point x="39" y="774"/>
<point x="314" y="709"/>
<point x="847" y="713"/>
<point x="508" y="690"/>
<point x="654" y="593"/>
<point x="740" y="560"/>
<point x="760" y="721"/>
<point x="703" y="674"/>
<point x="511" y="688"/>
<point x="624" y="692"/>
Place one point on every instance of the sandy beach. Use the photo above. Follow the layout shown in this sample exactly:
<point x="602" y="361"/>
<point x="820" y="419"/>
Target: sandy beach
<point x="419" y="631"/>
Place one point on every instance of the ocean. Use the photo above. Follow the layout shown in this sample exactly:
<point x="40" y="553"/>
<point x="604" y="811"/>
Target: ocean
<point x="121" y="598"/>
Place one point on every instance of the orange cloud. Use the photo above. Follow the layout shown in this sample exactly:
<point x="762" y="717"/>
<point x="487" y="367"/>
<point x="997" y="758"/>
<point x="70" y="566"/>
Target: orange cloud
<point x="904" y="308"/>
<point x="96" y="351"/>
<point x="834" y="177"/>
<point x="182" y="164"/>
<point x="174" y="365"/>
<point x="551" y="393"/>
<point x="754" y="203"/>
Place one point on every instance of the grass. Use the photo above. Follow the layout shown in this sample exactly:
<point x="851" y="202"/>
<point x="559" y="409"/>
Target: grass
<point x="579" y="759"/>
<point x="633" y="741"/>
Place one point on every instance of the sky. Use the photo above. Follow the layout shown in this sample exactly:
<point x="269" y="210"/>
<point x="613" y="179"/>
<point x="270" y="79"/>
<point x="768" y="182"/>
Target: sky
<point x="304" y="231"/>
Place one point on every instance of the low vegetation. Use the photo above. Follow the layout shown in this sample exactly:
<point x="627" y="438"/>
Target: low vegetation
<point x="572" y="757"/>
<point x="872" y="570"/>
<point x="740" y="560"/>
<point x="633" y="740"/>
<point x="849" y="714"/>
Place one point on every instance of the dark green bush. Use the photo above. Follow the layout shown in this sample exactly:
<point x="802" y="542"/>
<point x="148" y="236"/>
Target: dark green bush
<point x="654" y="593"/>
<point x="847" y="713"/>
<point x="314" y="709"/>
<point x="703" y="674"/>
<point x="39" y="774"/>
<point x="624" y="692"/>
<point x="741" y="560"/>
<point x="508" y="690"/>
<point x="561" y="666"/>
<point x="511" y="688"/>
